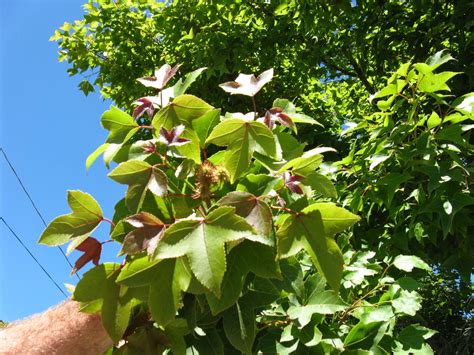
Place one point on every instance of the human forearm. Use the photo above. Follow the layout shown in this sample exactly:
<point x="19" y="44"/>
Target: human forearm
<point x="60" y="330"/>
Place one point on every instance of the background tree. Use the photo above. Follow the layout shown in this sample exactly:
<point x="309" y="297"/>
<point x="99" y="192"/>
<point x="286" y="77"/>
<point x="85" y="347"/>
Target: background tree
<point x="328" y="58"/>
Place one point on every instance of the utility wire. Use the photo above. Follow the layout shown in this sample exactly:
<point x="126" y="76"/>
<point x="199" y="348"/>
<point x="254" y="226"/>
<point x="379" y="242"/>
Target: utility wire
<point x="33" y="203"/>
<point x="34" y="258"/>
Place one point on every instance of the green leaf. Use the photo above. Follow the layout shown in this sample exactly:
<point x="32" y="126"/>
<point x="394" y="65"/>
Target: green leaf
<point x="210" y="344"/>
<point x="189" y="107"/>
<point x="138" y="272"/>
<point x="321" y="184"/>
<point x="335" y="219"/>
<point x="203" y="242"/>
<point x="242" y="139"/>
<point x="434" y="120"/>
<point x="306" y="230"/>
<point x="118" y="123"/>
<point x="116" y="308"/>
<point x="301" y="118"/>
<point x="326" y="302"/>
<point x="85" y="217"/>
<point x="81" y="202"/>
<point x="368" y="326"/>
<point x="95" y="154"/>
<point x="180" y="87"/>
<point x="239" y="326"/>
<point x="141" y="177"/>
<point x="244" y="258"/>
<point x="165" y="290"/>
<point x="407" y="302"/>
<point x="408" y="262"/>
<point x="307" y="163"/>
<point x="435" y="82"/>
<point x="203" y="125"/>
<point x="255" y="211"/>
<point x="91" y="286"/>
<point x="165" y="117"/>
<point x="191" y="150"/>
<point x="131" y="172"/>
<point x="438" y="59"/>
<point x="413" y="337"/>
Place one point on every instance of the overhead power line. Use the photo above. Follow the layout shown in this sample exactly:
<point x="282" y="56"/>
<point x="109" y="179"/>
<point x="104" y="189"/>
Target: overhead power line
<point x="32" y="202"/>
<point x="31" y="254"/>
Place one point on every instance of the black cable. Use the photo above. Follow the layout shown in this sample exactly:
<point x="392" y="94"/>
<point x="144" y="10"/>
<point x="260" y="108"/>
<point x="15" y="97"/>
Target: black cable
<point x="29" y="252"/>
<point x="33" y="203"/>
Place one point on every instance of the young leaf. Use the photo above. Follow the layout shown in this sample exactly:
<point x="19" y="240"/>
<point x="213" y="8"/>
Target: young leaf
<point x="147" y="105"/>
<point x="92" y="249"/>
<point x="149" y="230"/>
<point x="247" y="84"/>
<point x="161" y="77"/>
<point x="256" y="212"/>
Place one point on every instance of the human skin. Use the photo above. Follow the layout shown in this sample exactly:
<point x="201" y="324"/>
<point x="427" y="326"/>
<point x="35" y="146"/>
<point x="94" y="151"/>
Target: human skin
<point x="62" y="329"/>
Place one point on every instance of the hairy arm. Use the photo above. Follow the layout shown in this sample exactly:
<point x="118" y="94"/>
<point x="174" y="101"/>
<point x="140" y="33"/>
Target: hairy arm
<point x="62" y="329"/>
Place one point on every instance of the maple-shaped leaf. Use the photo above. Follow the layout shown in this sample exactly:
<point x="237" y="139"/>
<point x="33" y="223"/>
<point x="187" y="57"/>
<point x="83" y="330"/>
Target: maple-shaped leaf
<point x="92" y="249"/>
<point x="305" y="231"/>
<point x="313" y="229"/>
<point x="276" y="114"/>
<point x="242" y="259"/>
<point x="256" y="212"/>
<point x="147" y="105"/>
<point x="161" y="77"/>
<point x="292" y="182"/>
<point x="289" y="109"/>
<point x="172" y="137"/>
<point x="183" y="110"/>
<point x="247" y="84"/>
<point x="85" y="217"/>
<point x="307" y="163"/>
<point x="121" y="125"/>
<point x="242" y="139"/>
<point x="149" y="230"/>
<point x="203" y="240"/>
<point x="140" y="177"/>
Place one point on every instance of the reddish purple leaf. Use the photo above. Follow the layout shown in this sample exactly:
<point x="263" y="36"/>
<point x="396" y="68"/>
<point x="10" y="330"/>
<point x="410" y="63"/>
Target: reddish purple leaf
<point x="171" y="137"/>
<point x="293" y="182"/>
<point x="92" y="249"/>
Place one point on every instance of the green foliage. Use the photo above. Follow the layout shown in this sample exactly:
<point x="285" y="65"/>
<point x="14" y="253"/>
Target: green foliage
<point x="232" y="235"/>
<point x="198" y="250"/>
<point x="308" y="43"/>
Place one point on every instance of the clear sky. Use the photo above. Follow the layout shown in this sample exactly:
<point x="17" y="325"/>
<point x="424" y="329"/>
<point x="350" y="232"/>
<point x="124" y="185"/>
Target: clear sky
<point x="48" y="128"/>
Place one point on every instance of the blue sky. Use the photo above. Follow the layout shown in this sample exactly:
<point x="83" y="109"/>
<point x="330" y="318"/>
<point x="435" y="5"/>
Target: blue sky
<point x="48" y="128"/>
